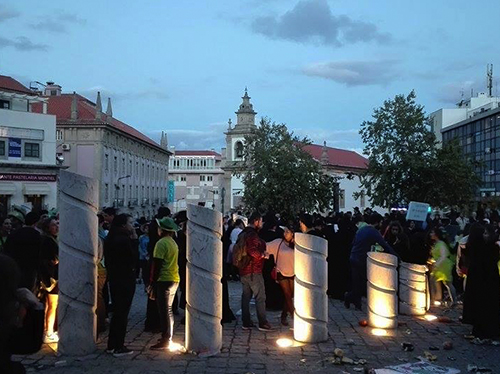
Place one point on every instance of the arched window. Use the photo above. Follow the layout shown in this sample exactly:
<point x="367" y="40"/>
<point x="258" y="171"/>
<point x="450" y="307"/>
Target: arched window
<point x="238" y="150"/>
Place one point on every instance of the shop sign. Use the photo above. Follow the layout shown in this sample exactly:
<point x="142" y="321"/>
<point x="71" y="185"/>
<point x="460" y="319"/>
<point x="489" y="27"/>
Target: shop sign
<point x="28" y="177"/>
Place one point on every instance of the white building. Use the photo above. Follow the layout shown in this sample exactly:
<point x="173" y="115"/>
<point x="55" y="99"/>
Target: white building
<point x="337" y="162"/>
<point x="196" y="177"/>
<point x="28" y="170"/>
<point x="465" y="109"/>
<point x="346" y="165"/>
<point x="131" y="168"/>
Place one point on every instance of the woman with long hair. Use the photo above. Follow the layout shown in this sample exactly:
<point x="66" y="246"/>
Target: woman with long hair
<point x="49" y="265"/>
<point x="165" y="278"/>
<point x="441" y="267"/>
<point x="283" y="251"/>
<point x="5" y="229"/>
<point x="398" y="240"/>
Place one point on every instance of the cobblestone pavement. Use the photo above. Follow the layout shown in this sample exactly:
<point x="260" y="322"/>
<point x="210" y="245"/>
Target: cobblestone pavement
<point x="256" y="352"/>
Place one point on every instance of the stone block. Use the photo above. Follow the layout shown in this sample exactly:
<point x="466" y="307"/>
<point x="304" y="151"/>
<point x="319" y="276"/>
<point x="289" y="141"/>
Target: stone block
<point x="78" y="199"/>
<point x="203" y="281"/>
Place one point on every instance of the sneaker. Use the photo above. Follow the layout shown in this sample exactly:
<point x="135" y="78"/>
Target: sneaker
<point x="110" y="351"/>
<point x="51" y="338"/>
<point x="248" y="326"/>
<point x="160" y="346"/>
<point x="265" y="327"/>
<point x="123" y="351"/>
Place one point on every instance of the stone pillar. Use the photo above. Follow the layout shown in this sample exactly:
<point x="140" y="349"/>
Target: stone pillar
<point x="311" y="282"/>
<point x="203" y="281"/>
<point x="382" y="292"/>
<point x="414" y="298"/>
<point x="78" y="240"/>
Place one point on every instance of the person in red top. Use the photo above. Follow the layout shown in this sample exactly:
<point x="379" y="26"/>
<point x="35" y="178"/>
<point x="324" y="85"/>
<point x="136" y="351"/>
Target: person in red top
<point x="251" y="275"/>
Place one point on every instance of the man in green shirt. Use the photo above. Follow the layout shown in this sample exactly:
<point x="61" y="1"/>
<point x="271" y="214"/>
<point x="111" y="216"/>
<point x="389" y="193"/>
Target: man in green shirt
<point x="165" y="278"/>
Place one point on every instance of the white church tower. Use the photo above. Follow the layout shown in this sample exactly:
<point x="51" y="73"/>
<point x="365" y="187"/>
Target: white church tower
<point x="235" y="144"/>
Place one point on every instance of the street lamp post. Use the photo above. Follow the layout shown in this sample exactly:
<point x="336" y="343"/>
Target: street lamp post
<point x="117" y="188"/>
<point x="213" y="198"/>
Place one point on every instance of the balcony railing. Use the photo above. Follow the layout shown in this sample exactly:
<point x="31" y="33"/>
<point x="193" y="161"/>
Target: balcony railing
<point x="132" y="202"/>
<point x="145" y="202"/>
<point x="119" y="203"/>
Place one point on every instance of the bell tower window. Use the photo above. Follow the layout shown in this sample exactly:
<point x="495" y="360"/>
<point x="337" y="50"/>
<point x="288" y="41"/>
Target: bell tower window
<point x="238" y="149"/>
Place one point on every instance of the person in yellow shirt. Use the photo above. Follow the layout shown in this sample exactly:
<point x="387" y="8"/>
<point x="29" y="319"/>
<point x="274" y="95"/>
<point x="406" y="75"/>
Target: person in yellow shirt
<point x="165" y="278"/>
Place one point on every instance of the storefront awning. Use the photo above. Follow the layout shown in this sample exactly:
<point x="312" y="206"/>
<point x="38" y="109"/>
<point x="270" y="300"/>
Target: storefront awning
<point x="7" y="188"/>
<point x="36" y="189"/>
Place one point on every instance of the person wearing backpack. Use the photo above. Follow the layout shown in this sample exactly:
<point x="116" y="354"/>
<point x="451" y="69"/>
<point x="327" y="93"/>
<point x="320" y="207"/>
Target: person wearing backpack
<point x="249" y="254"/>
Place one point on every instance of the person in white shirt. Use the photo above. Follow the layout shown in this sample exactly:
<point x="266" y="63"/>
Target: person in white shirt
<point x="283" y="252"/>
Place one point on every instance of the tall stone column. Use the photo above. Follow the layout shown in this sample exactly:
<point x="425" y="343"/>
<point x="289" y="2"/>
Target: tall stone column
<point x="78" y="240"/>
<point x="414" y="296"/>
<point x="382" y="292"/>
<point x="203" y="280"/>
<point x="311" y="282"/>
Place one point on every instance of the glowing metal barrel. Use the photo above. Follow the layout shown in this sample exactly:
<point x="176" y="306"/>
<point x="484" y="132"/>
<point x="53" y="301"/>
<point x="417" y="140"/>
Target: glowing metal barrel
<point x="311" y="282"/>
<point x="414" y="298"/>
<point x="382" y="290"/>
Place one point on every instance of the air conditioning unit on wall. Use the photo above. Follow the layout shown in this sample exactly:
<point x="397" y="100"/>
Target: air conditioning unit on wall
<point x="66" y="147"/>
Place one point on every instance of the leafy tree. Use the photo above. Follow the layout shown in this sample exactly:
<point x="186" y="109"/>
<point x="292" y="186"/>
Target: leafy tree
<point x="405" y="162"/>
<point x="280" y="176"/>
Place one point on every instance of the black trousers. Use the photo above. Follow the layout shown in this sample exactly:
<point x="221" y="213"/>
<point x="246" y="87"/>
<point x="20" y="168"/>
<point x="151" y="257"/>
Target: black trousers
<point x="358" y="282"/>
<point x="101" y="305"/>
<point x="122" y="293"/>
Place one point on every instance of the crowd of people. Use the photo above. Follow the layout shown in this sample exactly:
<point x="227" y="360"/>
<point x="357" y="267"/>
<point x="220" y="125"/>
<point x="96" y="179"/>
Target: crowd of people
<point x="462" y="254"/>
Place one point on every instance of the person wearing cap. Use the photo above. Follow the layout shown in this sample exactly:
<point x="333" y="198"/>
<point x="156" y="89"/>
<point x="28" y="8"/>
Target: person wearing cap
<point x="17" y="219"/>
<point x="165" y="278"/>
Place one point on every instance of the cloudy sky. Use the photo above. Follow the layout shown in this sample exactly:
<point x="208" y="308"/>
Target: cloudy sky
<point x="319" y="66"/>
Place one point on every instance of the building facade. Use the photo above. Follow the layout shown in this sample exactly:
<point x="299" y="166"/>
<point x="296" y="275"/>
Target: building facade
<point x="464" y="110"/>
<point x="345" y="164"/>
<point x="28" y="167"/>
<point x="131" y="168"/>
<point x="196" y="177"/>
<point x="479" y="137"/>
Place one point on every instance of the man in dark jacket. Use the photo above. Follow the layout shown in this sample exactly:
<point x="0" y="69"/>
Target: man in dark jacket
<point x="120" y="256"/>
<point x="365" y="237"/>
<point x="251" y="274"/>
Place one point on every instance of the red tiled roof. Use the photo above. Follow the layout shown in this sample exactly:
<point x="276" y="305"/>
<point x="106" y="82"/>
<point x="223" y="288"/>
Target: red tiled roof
<point x="10" y="84"/>
<point x="338" y="157"/>
<point x="60" y="106"/>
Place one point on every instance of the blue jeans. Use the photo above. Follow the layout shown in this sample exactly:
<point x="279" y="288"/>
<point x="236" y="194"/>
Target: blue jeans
<point x="253" y="284"/>
<point x="165" y="293"/>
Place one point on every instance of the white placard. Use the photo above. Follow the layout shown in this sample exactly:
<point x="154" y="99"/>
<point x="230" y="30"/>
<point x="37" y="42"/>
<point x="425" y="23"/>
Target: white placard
<point x="417" y="211"/>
